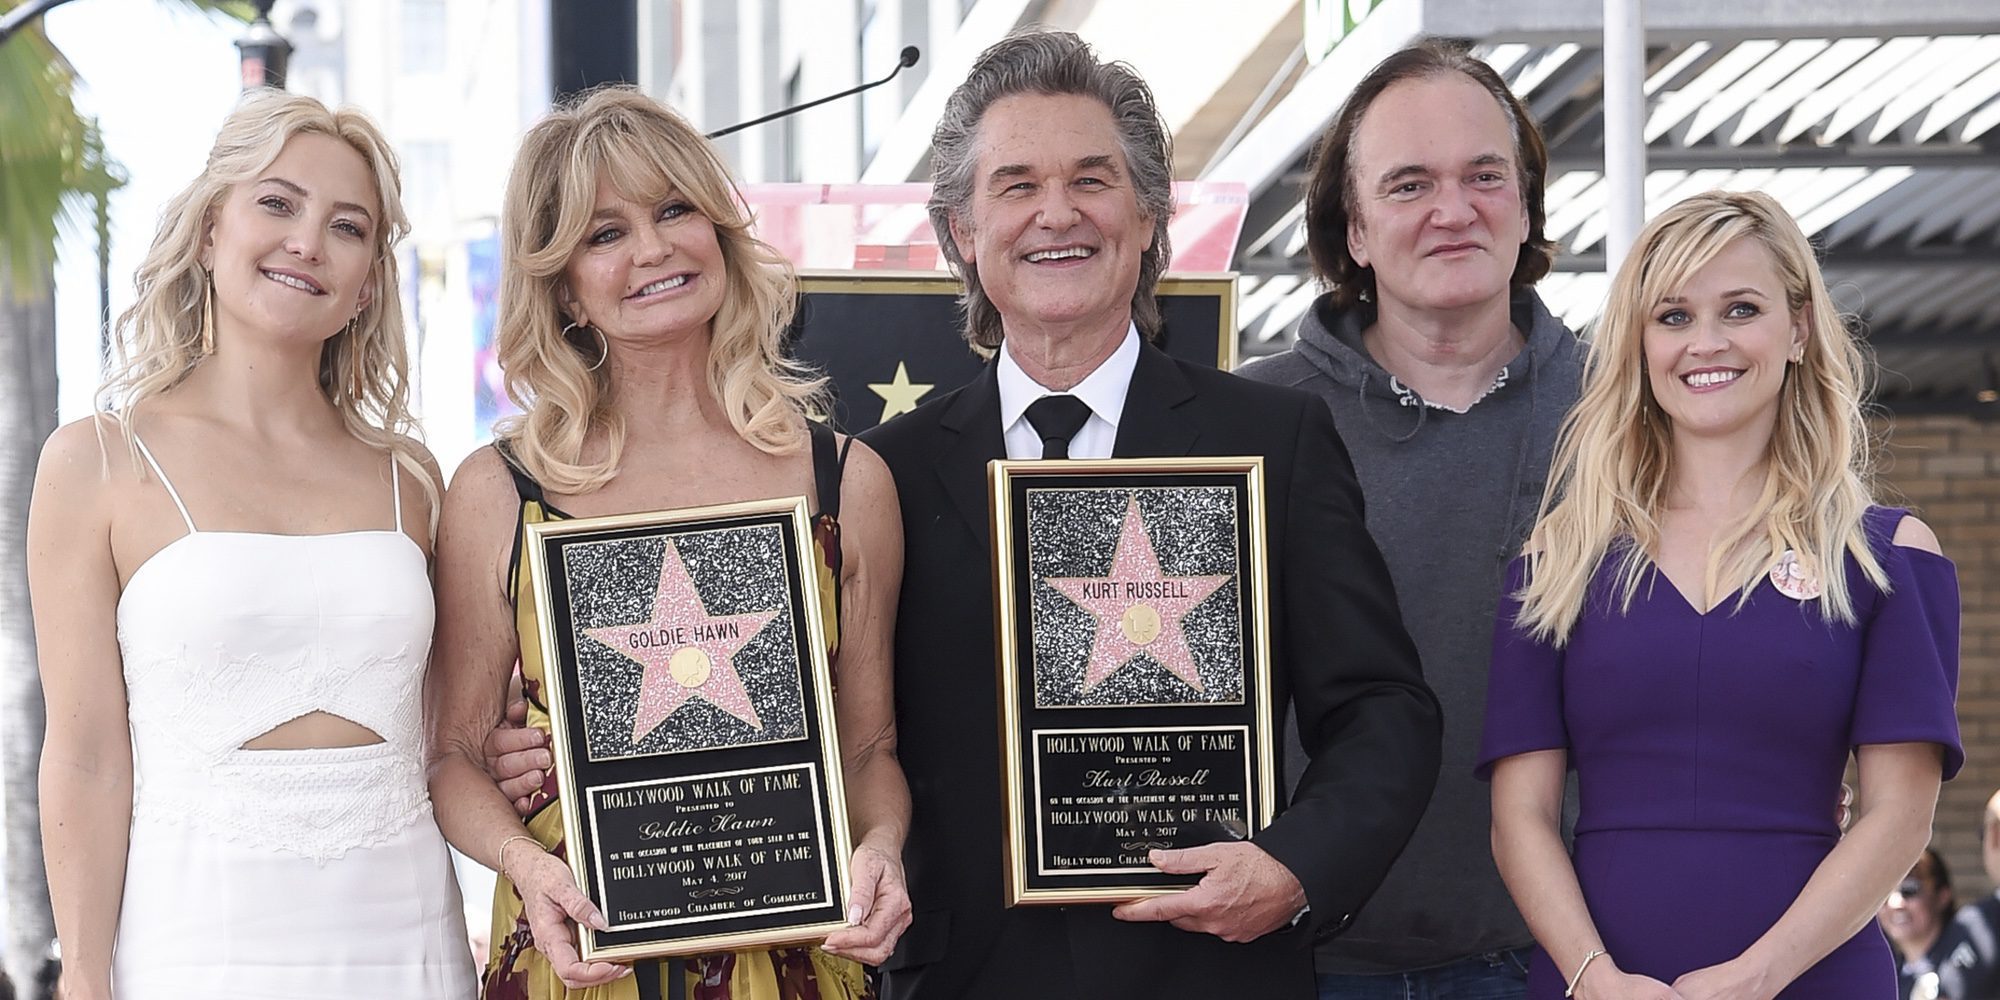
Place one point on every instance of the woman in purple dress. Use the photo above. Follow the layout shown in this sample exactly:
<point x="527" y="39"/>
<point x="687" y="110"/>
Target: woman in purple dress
<point x="1711" y="616"/>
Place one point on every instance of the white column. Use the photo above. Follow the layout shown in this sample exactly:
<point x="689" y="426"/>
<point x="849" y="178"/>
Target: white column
<point x="1624" y="120"/>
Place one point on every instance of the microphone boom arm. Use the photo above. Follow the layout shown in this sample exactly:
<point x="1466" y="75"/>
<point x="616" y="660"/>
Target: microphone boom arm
<point x="908" y="58"/>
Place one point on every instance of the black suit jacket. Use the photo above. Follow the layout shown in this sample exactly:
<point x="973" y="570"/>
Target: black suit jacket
<point x="1339" y="653"/>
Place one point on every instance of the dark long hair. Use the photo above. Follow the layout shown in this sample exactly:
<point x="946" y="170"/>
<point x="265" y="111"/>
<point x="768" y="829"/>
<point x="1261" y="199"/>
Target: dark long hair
<point x="1330" y="192"/>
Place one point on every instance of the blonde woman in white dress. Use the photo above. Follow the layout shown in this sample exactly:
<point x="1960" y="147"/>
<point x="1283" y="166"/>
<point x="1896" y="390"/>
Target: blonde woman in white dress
<point x="229" y="574"/>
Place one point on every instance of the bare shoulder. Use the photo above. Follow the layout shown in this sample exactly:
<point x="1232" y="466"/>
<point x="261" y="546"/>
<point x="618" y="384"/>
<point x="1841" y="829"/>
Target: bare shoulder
<point x="1913" y="533"/>
<point x="871" y="518"/>
<point x="79" y="482"/>
<point x="78" y="461"/>
<point x="476" y="529"/>
<point x="481" y="503"/>
<point x="482" y="475"/>
<point x="866" y="475"/>
<point x="481" y="487"/>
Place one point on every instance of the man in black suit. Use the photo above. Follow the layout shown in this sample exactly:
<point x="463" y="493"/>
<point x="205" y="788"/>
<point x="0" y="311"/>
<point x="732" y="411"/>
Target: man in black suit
<point x="1052" y="189"/>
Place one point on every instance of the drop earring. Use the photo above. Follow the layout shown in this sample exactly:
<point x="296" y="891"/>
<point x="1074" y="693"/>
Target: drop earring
<point x="207" y="312"/>
<point x="355" y="352"/>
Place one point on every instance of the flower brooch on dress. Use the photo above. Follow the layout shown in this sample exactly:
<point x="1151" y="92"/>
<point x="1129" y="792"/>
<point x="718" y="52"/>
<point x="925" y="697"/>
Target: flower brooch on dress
<point x="1792" y="580"/>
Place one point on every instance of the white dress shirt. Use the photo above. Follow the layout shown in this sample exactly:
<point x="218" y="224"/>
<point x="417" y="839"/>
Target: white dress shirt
<point x="1103" y="390"/>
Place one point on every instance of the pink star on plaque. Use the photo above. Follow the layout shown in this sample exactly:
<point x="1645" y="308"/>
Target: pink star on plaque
<point x="686" y="651"/>
<point x="1138" y="607"/>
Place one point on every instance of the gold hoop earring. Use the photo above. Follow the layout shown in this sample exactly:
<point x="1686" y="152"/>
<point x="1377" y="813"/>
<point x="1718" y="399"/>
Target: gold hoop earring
<point x="207" y="312"/>
<point x="603" y="343"/>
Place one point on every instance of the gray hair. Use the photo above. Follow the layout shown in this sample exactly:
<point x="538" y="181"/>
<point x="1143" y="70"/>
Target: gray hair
<point x="1038" y="61"/>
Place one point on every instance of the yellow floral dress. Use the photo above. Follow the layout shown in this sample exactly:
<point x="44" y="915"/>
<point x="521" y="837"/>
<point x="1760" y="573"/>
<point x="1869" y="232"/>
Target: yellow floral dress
<point x="516" y="970"/>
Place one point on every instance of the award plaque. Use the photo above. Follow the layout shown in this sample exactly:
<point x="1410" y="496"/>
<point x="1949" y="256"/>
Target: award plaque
<point x="692" y="724"/>
<point x="1134" y="668"/>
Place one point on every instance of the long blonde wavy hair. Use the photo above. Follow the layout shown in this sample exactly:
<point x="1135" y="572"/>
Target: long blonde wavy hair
<point x="644" y="150"/>
<point x="1614" y="456"/>
<point x="363" y="369"/>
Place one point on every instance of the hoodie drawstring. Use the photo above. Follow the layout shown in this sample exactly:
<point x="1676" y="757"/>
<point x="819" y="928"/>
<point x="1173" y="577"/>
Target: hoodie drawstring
<point x="1367" y="413"/>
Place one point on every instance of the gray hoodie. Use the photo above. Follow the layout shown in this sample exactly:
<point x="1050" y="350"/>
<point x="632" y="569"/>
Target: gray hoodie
<point x="1450" y="498"/>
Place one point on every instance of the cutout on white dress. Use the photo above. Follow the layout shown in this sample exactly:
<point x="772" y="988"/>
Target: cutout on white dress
<point x="314" y="731"/>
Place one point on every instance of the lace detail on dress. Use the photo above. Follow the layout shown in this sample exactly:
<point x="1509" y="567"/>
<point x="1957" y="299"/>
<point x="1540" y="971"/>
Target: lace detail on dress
<point x="318" y="803"/>
<point x="189" y="726"/>
<point x="253" y="632"/>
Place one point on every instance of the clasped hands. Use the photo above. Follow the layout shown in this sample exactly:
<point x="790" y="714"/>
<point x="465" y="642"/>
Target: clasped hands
<point x="1737" y="979"/>
<point x="1732" y="980"/>
<point x="517" y="757"/>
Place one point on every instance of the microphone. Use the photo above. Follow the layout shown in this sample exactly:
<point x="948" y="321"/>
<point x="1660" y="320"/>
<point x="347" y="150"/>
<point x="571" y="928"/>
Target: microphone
<point x="909" y="58"/>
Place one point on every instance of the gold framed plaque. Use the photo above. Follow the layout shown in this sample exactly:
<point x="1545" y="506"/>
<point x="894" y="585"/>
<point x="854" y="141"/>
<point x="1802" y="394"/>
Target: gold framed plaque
<point x="1132" y="615"/>
<point x="692" y="722"/>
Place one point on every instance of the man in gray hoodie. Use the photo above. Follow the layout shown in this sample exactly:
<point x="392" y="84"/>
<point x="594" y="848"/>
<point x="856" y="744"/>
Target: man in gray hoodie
<point x="1448" y="379"/>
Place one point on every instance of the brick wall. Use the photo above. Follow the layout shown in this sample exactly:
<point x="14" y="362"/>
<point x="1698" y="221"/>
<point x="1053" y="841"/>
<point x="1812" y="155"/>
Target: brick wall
<point x="1947" y="468"/>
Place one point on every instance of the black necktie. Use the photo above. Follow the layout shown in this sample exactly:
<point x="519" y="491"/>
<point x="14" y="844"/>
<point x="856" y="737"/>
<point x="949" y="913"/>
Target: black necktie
<point x="1057" y="419"/>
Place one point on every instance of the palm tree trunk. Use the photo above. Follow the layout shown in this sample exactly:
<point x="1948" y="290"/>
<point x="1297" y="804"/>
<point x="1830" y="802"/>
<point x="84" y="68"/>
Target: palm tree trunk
<point x="27" y="416"/>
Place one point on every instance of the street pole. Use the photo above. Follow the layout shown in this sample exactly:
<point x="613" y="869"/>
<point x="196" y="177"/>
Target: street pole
<point x="1624" y="125"/>
<point x="265" y="53"/>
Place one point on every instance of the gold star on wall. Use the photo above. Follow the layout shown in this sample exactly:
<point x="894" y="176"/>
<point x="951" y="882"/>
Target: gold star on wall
<point x="899" y="395"/>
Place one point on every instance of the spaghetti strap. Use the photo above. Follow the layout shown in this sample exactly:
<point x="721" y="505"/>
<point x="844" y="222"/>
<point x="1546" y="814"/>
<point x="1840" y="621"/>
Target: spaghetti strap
<point x="524" y="484"/>
<point x="396" y="489"/>
<point x="840" y="471"/>
<point x="828" y="462"/>
<point x="164" y="481"/>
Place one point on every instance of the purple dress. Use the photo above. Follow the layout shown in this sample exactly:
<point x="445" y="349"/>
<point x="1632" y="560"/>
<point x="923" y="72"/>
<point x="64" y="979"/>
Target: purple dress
<point x="1709" y="751"/>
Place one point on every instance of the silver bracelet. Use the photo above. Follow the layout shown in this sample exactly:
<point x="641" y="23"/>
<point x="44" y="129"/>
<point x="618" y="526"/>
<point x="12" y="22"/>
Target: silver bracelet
<point x="1585" y="964"/>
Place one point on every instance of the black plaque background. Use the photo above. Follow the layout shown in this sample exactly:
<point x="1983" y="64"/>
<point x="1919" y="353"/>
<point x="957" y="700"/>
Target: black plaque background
<point x="1117" y="718"/>
<point x="857" y="337"/>
<point x="589" y="774"/>
<point x="1066" y="771"/>
<point x="795" y="810"/>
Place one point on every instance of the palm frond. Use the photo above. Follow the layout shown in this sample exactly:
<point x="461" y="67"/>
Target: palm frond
<point x="42" y="150"/>
<point x="52" y="160"/>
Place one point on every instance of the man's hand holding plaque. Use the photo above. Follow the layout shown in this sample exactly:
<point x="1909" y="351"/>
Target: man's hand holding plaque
<point x="1243" y="894"/>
